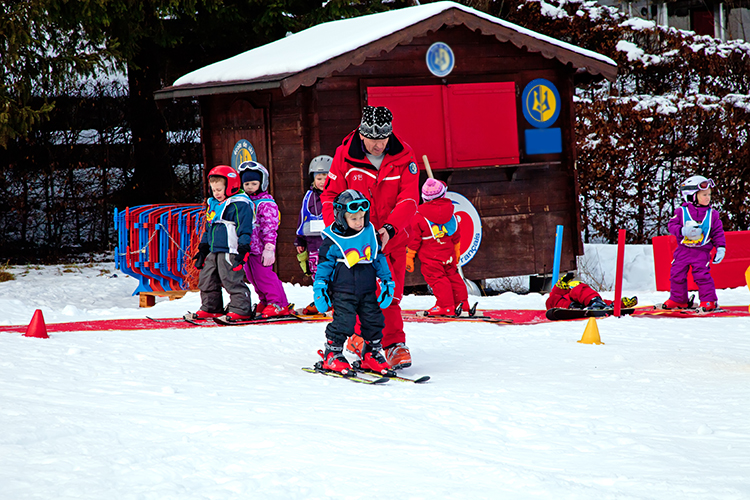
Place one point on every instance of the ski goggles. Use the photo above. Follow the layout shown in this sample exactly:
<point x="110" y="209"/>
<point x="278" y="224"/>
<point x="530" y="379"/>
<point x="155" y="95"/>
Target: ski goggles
<point x="355" y="206"/>
<point x="700" y="186"/>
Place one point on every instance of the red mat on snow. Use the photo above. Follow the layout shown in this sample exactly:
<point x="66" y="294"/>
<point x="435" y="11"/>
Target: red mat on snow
<point x="518" y="316"/>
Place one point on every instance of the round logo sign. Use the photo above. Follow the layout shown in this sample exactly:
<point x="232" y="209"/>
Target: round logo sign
<point x="541" y="103"/>
<point x="440" y="59"/>
<point x="469" y="224"/>
<point x="243" y="151"/>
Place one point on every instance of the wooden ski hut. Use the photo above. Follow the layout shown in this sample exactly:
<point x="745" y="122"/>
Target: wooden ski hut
<point x="489" y="103"/>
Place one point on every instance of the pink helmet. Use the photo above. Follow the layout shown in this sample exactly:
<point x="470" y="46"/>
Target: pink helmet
<point x="433" y="189"/>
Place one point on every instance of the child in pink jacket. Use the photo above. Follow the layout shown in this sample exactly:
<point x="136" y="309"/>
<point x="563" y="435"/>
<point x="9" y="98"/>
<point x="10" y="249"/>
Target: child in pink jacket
<point x="272" y="300"/>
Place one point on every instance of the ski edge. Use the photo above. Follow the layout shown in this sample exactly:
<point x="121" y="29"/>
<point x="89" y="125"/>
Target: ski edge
<point x="353" y="378"/>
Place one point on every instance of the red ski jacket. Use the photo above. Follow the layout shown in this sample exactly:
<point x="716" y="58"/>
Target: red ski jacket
<point x="393" y="190"/>
<point x="430" y="246"/>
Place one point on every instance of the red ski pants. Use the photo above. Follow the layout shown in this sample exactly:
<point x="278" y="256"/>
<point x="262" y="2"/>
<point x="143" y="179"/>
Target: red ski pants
<point x="393" y="332"/>
<point x="446" y="283"/>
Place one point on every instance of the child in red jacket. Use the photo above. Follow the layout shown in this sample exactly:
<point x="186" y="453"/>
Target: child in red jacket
<point x="569" y="294"/>
<point x="436" y="241"/>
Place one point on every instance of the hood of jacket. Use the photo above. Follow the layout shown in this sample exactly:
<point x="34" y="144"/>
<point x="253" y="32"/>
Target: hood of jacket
<point x="438" y="211"/>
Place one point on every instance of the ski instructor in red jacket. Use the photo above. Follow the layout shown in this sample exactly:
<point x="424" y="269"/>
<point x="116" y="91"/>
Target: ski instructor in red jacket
<point x="378" y="164"/>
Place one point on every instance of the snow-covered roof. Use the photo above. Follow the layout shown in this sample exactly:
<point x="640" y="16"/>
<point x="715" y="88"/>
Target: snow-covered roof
<point x="301" y="58"/>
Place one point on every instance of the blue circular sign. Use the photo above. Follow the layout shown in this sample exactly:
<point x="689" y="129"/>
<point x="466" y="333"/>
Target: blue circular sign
<point x="440" y="59"/>
<point x="243" y="151"/>
<point x="541" y="103"/>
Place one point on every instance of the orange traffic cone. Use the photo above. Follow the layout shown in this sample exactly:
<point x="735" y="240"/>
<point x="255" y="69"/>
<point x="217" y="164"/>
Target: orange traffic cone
<point x="37" y="328"/>
<point x="591" y="333"/>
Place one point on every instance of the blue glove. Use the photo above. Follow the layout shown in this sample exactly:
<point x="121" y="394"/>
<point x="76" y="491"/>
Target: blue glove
<point x="320" y="296"/>
<point x="386" y="293"/>
<point x="720" y="252"/>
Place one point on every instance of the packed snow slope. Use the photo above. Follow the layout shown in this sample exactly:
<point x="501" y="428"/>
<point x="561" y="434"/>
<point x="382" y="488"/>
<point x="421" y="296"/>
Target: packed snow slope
<point x="519" y="412"/>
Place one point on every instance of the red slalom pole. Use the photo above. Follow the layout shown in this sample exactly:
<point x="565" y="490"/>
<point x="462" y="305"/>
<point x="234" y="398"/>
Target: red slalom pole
<point x="618" y="273"/>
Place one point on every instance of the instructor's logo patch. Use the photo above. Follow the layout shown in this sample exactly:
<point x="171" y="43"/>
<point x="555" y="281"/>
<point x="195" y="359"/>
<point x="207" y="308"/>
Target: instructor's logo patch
<point x="413" y="168"/>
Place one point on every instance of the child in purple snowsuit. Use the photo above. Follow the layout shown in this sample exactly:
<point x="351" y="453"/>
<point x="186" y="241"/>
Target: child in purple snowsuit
<point x="698" y="229"/>
<point x="272" y="300"/>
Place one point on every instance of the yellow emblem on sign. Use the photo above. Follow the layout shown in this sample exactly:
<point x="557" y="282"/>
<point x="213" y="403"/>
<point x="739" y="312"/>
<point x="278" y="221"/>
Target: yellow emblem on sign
<point x="541" y="103"/>
<point x="243" y="155"/>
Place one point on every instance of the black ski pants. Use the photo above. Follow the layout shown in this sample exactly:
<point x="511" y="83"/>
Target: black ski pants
<point x="346" y="308"/>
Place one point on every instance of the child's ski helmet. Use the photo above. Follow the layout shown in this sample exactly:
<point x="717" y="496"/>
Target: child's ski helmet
<point x="257" y="167"/>
<point x="351" y="201"/>
<point x="231" y="176"/>
<point x="690" y="187"/>
<point x="320" y="165"/>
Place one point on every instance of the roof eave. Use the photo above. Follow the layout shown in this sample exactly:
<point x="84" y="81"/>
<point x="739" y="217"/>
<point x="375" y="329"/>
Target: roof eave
<point x="216" y="88"/>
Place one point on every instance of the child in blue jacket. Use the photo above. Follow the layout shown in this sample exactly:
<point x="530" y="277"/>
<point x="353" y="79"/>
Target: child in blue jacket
<point x="223" y="247"/>
<point x="350" y="262"/>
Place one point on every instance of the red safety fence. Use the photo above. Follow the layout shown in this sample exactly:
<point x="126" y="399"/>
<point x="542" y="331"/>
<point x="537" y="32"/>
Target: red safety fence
<point x="729" y="274"/>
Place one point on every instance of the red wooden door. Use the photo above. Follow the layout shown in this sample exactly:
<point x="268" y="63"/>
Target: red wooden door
<point x="418" y="118"/>
<point x="456" y="126"/>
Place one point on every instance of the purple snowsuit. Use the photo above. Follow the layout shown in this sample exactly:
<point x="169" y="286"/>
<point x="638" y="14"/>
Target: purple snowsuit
<point x="265" y="226"/>
<point x="697" y="255"/>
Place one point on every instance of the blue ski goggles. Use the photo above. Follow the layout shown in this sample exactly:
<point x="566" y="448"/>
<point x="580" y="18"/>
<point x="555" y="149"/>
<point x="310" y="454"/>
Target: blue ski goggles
<point x="355" y="206"/>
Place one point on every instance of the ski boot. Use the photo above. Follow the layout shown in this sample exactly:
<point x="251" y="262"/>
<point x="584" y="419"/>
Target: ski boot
<point x="273" y="310"/>
<point x="597" y="304"/>
<point x="200" y="314"/>
<point x="671" y="304"/>
<point x="354" y="344"/>
<point x="439" y="311"/>
<point x="310" y="309"/>
<point x="233" y="316"/>
<point x="398" y="356"/>
<point x="629" y="302"/>
<point x="374" y="360"/>
<point x="334" y="360"/>
<point x="708" y="306"/>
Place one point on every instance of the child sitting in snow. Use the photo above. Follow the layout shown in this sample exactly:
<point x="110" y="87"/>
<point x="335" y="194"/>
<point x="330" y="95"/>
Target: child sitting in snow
<point x="436" y="241"/>
<point x="350" y="263"/>
<point x="272" y="300"/>
<point x="223" y="246"/>
<point x="698" y="229"/>
<point x="569" y="294"/>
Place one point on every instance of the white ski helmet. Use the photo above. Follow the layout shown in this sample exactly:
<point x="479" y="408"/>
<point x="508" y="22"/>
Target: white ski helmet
<point x="257" y="167"/>
<point x="692" y="185"/>
<point x="320" y="165"/>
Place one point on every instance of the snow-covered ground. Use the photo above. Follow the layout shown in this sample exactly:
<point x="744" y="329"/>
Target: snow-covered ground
<point x="659" y="411"/>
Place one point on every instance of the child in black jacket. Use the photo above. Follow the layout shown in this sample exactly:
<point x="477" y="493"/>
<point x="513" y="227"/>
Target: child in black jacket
<point x="349" y="264"/>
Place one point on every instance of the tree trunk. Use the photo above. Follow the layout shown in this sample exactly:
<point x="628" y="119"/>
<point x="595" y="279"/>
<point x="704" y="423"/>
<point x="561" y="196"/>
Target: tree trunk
<point x="153" y="179"/>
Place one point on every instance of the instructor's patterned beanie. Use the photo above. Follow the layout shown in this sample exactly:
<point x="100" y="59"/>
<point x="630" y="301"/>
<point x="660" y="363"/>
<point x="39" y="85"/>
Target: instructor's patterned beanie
<point x="433" y="189"/>
<point x="376" y="122"/>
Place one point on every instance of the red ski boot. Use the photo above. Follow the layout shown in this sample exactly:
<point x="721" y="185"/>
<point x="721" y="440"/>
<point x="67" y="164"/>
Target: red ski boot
<point x="440" y="311"/>
<point x="671" y="304"/>
<point x="233" y="316"/>
<point x="335" y="361"/>
<point x="375" y="361"/>
<point x="707" y="306"/>
<point x="201" y="314"/>
<point x="273" y="310"/>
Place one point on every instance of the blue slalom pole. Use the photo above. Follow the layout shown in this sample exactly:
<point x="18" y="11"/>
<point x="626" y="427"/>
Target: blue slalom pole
<point x="558" y="252"/>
